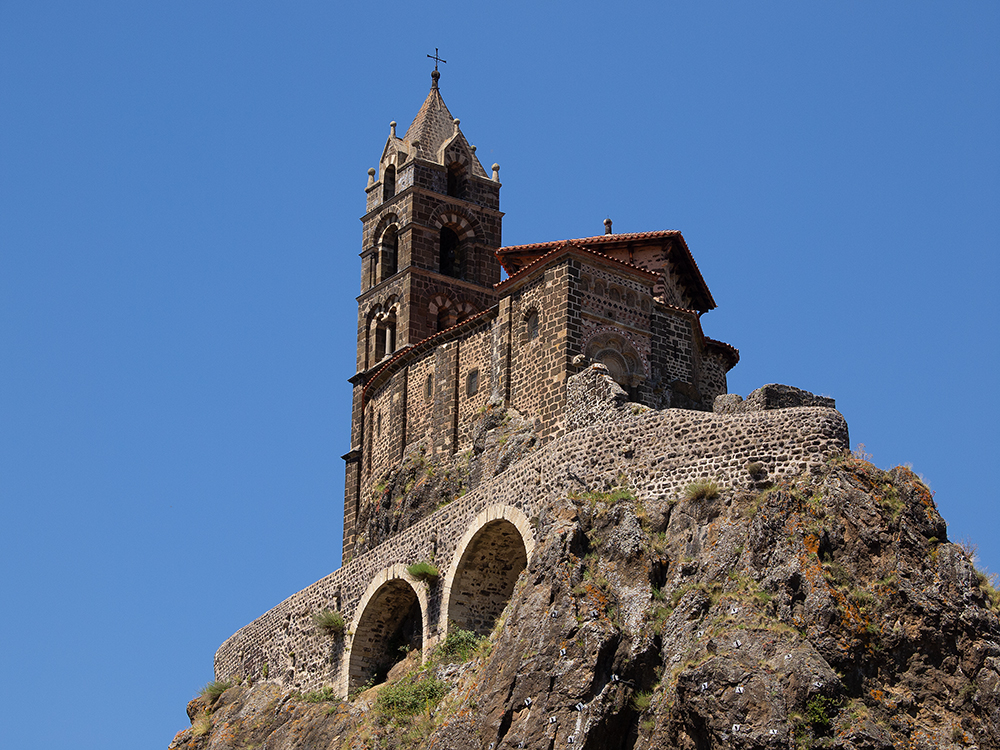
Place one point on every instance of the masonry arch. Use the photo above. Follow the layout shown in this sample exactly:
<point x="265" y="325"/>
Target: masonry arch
<point x="388" y="183"/>
<point x="496" y="547"/>
<point x="442" y="313"/>
<point x="456" y="239"/>
<point x="613" y="348"/>
<point x="464" y="310"/>
<point x="380" y="329"/>
<point x="390" y="617"/>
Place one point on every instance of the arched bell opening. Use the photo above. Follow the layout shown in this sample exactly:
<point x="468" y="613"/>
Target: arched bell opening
<point x="456" y="180"/>
<point x="388" y="254"/>
<point x="450" y="260"/>
<point x="390" y="626"/>
<point x="485" y="576"/>
<point x="388" y="183"/>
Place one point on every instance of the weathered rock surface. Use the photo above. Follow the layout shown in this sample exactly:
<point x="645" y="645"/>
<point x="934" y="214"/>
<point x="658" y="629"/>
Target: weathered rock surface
<point x="827" y="610"/>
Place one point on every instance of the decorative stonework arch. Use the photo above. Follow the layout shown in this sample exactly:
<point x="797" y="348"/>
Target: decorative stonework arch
<point x="386" y="220"/>
<point x="466" y="229"/>
<point x="441" y="312"/>
<point x="495" y="548"/>
<point x="616" y="349"/>
<point x="380" y="327"/>
<point x="384" y="619"/>
<point x="465" y="310"/>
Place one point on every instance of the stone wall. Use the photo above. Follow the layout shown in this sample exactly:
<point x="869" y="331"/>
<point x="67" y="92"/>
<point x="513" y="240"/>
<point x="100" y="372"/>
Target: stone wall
<point x="657" y="453"/>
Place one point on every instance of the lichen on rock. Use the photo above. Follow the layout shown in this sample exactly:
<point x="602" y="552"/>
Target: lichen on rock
<point x="827" y="610"/>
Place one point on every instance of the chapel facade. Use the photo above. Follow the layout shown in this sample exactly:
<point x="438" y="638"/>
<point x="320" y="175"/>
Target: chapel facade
<point x="440" y="333"/>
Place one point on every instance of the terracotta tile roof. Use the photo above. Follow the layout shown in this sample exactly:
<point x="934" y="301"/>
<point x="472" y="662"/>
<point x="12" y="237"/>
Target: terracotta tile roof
<point x="570" y="245"/>
<point x="729" y="349"/>
<point x="597" y="240"/>
<point x="604" y="240"/>
<point x="426" y="344"/>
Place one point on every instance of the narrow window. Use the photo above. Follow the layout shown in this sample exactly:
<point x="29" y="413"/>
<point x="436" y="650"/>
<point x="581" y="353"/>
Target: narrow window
<point x="389" y="258"/>
<point x="379" y="334"/>
<point x="456" y="180"/>
<point x="429" y="387"/>
<point x="472" y="383"/>
<point x="388" y="183"/>
<point x="531" y="325"/>
<point x="449" y="264"/>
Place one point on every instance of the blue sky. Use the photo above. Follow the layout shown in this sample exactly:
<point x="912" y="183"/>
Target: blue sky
<point x="180" y="187"/>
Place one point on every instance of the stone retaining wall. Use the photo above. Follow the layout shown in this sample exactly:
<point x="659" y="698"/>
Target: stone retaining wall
<point x="657" y="453"/>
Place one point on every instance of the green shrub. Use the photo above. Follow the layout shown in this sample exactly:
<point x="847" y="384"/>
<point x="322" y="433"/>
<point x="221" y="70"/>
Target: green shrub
<point x="756" y="469"/>
<point x="323" y="695"/>
<point x="214" y="689"/>
<point x="703" y="489"/>
<point x="410" y="696"/>
<point x="423" y="571"/>
<point x="459" y="645"/>
<point x="988" y="585"/>
<point x="818" y="711"/>
<point x="201" y="725"/>
<point x="641" y="701"/>
<point x="330" y="622"/>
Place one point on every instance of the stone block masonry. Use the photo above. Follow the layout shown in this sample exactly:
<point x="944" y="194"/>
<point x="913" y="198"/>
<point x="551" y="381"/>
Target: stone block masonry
<point x="656" y="453"/>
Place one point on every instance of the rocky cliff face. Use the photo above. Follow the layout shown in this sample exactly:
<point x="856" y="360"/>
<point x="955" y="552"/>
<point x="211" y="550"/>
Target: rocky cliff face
<point x="824" y="610"/>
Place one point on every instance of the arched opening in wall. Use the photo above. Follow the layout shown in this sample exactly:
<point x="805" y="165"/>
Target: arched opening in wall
<point x="613" y="350"/>
<point x="378" y="350"/>
<point x="388" y="183"/>
<point x="390" y="626"/>
<point x="464" y="310"/>
<point x="485" y="576"/>
<point x="442" y="312"/>
<point x="383" y="336"/>
<point x="450" y="260"/>
<point x="456" y="180"/>
<point x="531" y="325"/>
<point x="388" y="254"/>
<point x="429" y="387"/>
<point x="372" y="339"/>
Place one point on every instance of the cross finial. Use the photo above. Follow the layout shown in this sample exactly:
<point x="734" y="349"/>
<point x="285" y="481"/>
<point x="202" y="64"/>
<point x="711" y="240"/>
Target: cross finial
<point x="436" y="58"/>
<point x="435" y="74"/>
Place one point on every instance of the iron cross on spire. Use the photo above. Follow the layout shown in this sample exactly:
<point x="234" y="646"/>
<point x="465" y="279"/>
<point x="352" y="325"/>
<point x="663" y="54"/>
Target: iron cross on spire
<point x="436" y="59"/>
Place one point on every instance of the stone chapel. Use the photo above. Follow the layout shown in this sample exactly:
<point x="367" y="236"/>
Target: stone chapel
<point x="441" y="332"/>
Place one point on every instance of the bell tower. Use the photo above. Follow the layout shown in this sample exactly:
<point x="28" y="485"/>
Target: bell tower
<point x="428" y="259"/>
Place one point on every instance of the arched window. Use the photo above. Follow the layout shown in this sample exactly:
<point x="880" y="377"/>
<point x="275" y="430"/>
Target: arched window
<point x="429" y="387"/>
<point x="383" y="333"/>
<point x="441" y="313"/>
<point x="456" y="180"/>
<point x="388" y="183"/>
<point x="388" y="252"/>
<point x="450" y="262"/>
<point x="531" y="325"/>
